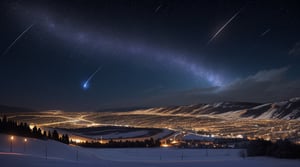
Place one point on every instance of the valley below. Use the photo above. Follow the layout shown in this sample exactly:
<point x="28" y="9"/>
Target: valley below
<point x="271" y="121"/>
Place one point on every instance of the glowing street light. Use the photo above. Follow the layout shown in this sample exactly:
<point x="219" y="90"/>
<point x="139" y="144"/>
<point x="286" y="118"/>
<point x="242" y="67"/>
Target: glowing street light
<point x="11" y="143"/>
<point x="25" y="141"/>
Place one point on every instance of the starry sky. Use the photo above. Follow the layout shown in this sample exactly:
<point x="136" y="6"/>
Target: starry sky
<point x="94" y="55"/>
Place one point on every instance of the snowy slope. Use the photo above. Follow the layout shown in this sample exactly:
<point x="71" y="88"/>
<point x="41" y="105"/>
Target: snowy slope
<point x="117" y="135"/>
<point x="63" y="155"/>
<point x="38" y="148"/>
<point x="289" y="109"/>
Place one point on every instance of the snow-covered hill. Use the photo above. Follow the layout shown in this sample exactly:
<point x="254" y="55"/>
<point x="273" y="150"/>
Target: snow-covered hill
<point x="61" y="155"/>
<point x="288" y="110"/>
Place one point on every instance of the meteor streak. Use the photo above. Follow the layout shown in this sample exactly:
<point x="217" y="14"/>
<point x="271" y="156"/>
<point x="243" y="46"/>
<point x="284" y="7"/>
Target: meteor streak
<point x="86" y="83"/>
<point x="224" y="26"/>
<point x="12" y="44"/>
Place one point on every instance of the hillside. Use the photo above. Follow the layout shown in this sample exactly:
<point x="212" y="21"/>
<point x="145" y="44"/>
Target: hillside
<point x="288" y="110"/>
<point x="61" y="155"/>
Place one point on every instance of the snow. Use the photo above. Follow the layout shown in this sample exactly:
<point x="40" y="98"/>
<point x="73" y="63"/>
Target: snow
<point x="295" y="99"/>
<point x="117" y="135"/>
<point x="268" y="114"/>
<point x="292" y="114"/>
<point x="196" y="137"/>
<point x="206" y="106"/>
<point x="289" y="105"/>
<point x="163" y="134"/>
<point x="62" y="155"/>
<point x="216" y="105"/>
<point x="261" y="106"/>
<point x="125" y="135"/>
<point x="281" y="104"/>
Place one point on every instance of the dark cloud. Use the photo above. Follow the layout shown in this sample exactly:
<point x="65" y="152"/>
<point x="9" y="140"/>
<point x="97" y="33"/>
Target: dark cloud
<point x="264" y="86"/>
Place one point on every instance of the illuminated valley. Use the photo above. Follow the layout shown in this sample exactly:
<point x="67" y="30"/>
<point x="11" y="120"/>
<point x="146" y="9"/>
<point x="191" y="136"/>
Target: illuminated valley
<point x="208" y="125"/>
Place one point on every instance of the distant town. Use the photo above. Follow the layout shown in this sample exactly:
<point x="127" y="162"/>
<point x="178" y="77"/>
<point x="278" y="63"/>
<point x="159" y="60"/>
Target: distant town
<point x="130" y="129"/>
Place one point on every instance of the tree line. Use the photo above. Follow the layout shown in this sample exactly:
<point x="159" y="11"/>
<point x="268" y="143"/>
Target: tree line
<point x="121" y="144"/>
<point x="22" y="129"/>
<point x="279" y="149"/>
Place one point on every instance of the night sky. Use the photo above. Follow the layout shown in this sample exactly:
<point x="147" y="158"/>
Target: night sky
<point x="81" y="55"/>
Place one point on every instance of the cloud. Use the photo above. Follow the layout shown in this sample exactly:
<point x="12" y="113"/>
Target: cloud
<point x="265" y="77"/>
<point x="264" y="86"/>
<point x="295" y="51"/>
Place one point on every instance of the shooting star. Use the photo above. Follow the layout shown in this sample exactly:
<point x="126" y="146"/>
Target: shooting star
<point x="13" y="43"/>
<point x="224" y="26"/>
<point x="86" y="83"/>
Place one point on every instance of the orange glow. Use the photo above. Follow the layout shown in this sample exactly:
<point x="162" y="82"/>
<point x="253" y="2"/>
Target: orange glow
<point x="77" y="140"/>
<point x="165" y="145"/>
<point x="25" y="140"/>
<point x="12" y="138"/>
<point x="174" y="142"/>
<point x="31" y="126"/>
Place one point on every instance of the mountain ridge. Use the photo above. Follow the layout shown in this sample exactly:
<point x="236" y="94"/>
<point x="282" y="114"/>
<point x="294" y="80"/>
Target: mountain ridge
<point x="288" y="109"/>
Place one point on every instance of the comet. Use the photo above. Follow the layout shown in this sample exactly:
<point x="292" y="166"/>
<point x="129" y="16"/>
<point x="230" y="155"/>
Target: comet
<point x="13" y="43"/>
<point x="86" y="83"/>
<point x="224" y="26"/>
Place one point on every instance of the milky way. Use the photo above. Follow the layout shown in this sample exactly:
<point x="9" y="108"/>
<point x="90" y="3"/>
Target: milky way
<point x="137" y="49"/>
<point x="97" y="40"/>
<point x="153" y="53"/>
